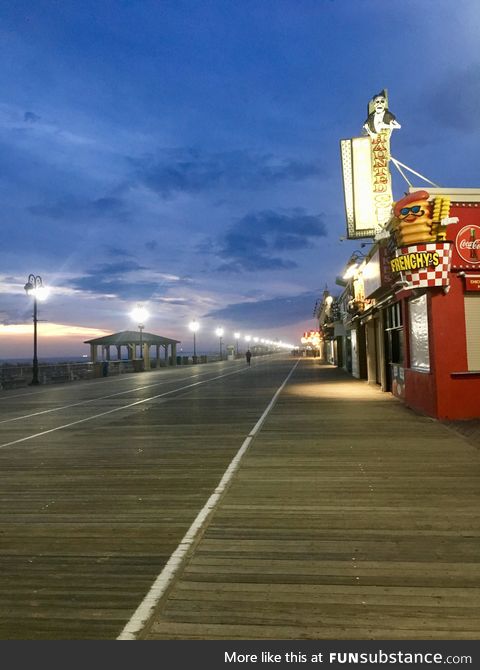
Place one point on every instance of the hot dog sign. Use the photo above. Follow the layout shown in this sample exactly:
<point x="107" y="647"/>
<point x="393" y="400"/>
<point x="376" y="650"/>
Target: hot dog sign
<point x="423" y="256"/>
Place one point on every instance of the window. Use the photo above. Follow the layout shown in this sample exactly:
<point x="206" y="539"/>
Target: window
<point x="419" y="346"/>
<point x="394" y="333"/>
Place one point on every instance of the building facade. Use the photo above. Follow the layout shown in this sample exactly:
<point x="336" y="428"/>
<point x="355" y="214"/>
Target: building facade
<point x="411" y="310"/>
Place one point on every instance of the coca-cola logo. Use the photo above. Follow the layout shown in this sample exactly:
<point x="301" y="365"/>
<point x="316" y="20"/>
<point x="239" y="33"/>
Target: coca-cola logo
<point x="468" y="244"/>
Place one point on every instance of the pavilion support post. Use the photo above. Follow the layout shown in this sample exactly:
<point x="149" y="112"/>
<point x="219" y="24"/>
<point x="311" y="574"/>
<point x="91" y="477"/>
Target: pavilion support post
<point x="146" y="356"/>
<point x="174" y="354"/>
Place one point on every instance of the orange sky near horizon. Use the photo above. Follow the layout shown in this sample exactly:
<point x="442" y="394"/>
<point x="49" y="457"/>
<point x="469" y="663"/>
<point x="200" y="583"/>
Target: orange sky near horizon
<point x="54" y="339"/>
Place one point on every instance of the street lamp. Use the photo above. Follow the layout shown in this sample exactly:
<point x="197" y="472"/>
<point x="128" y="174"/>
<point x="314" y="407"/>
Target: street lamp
<point x="219" y="333"/>
<point x="194" y="326"/>
<point x="140" y="314"/>
<point x="35" y="288"/>
<point x="237" y="337"/>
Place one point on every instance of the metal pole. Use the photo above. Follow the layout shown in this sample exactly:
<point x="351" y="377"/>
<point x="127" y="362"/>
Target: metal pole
<point x="194" y="346"/>
<point x="221" y="356"/>
<point x="141" y="327"/>
<point x="35" y="357"/>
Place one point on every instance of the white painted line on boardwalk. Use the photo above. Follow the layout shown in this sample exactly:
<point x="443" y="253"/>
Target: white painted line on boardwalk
<point x="132" y="389"/>
<point x="146" y="608"/>
<point x="119" y="409"/>
<point x="93" y="383"/>
<point x="115" y="379"/>
<point x="103" y="397"/>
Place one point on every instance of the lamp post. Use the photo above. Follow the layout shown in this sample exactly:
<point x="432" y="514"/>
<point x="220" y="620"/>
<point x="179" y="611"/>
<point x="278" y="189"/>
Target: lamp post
<point x="35" y="288"/>
<point x="140" y="328"/>
<point x="194" y="326"/>
<point x="140" y="314"/>
<point x="219" y="333"/>
<point x="237" y="337"/>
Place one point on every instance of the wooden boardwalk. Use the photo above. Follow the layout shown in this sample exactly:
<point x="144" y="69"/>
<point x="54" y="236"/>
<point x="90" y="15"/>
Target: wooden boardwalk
<point x="90" y="512"/>
<point x="350" y="517"/>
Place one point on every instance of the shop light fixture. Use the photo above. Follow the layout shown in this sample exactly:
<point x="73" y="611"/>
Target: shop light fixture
<point x="354" y="264"/>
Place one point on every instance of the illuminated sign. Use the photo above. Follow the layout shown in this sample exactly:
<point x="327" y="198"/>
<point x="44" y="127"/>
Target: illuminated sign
<point x="415" y="260"/>
<point x="423" y="265"/>
<point x="367" y="181"/>
<point x="382" y="180"/>
<point x="311" y="338"/>
<point x="467" y="244"/>
<point x="358" y="187"/>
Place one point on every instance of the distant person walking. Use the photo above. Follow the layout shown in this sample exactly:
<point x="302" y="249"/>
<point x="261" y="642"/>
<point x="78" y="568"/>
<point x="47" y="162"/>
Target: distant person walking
<point x="248" y="356"/>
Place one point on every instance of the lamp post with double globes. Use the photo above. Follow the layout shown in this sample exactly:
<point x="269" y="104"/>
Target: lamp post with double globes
<point x="219" y="334"/>
<point x="194" y="326"/>
<point x="35" y="288"/>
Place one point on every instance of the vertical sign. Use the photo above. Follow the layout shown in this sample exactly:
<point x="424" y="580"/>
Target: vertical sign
<point x="382" y="179"/>
<point x="367" y="181"/>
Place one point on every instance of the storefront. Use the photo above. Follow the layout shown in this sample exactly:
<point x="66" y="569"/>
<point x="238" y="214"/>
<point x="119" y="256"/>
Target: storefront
<point x="443" y="328"/>
<point x="427" y="306"/>
<point x="412" y="322"/>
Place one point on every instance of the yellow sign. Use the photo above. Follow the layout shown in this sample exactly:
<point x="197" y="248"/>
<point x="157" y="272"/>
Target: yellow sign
<point x="415" y="261"/>
<point x="381" y="178"/>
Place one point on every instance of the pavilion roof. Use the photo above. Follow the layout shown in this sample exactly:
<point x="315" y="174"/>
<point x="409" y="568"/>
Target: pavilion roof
<point x="131" y="337"/>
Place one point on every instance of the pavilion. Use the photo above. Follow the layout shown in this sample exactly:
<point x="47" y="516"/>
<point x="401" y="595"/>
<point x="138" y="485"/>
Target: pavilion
<point x="133" y="339"/>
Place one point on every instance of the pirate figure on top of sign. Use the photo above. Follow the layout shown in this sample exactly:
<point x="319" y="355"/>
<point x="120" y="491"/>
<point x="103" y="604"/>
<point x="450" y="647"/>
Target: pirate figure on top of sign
<point x="379" y="118"/>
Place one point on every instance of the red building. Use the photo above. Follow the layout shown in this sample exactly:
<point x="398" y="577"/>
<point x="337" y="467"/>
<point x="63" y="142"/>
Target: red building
<point x="420" y="316"/>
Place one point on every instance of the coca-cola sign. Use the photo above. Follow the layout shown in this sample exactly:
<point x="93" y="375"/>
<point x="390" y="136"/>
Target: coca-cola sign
<point x="467" y="244"/>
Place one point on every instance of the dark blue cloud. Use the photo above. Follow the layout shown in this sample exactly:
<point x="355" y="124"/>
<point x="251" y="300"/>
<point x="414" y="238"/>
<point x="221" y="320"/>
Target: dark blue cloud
<point x="275" y="312"/>
<point x="254" y="241"/>
<point x="111" y="279"/>
<point x="255" y="261"/>
<point x="128" y="280"/>
<point x="192" y="171"/>
<point x="118" y="252"/>
<point x="69" y="206"/>
<point x="31" y="117"/>
<point x="14" y="311"/>
<point x="119" y="268"/>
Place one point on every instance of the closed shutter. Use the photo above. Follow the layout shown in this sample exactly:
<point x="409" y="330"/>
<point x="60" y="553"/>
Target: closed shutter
<point x="472" y="326"/>
<point x="419" y="340"/>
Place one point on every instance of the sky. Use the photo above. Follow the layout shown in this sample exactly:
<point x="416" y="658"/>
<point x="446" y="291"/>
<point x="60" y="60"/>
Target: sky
<point x="184" y="154"/>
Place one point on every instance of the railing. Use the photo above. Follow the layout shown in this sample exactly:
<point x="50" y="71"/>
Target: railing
<point x="13" y="376"/>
